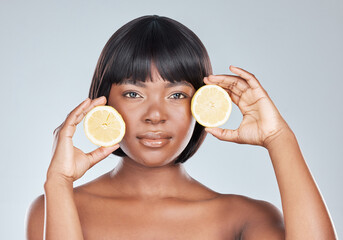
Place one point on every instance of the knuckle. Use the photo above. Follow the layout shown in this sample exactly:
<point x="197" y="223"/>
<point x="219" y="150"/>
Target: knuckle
<point x="83" y="114"/>
<point x="222" y="134"/>
<point x="102" y="152"/>
<point x="230" y="86"/>
<point x="91" y="157"/>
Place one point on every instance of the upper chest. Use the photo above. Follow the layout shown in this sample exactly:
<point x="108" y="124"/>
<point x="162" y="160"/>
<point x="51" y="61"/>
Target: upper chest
<point x="103" y="218"/>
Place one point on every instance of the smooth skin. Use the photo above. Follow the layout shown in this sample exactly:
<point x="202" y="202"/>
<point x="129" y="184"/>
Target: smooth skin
<point x="147" y="197"/>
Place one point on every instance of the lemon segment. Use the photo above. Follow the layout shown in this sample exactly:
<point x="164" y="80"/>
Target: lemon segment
<point x="211" y="106"/>
<point x="104" y="126"/>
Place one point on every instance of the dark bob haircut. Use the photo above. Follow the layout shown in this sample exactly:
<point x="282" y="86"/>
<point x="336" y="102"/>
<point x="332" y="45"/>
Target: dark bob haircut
<point x="175" y="50"/>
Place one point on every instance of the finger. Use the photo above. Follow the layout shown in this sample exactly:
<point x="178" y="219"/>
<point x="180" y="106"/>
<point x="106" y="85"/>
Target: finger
<point x="233" y="83"/>
<point x="96" y="102"/>
<point x="224" y="134"/>
<point x="66" y="129"/>
<point x="249" y="77"/>
<point x="100" y="153"/>
<point x="76" y="116"/>
<point x="235" y="98"/>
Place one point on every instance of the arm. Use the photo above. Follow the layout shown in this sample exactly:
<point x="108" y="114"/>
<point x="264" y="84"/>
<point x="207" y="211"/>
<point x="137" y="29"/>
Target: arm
<point x="54" y="214"/>
<point x="305" y="213"/>
<point x="68" y="164"/>
<point x="61" y="219"/>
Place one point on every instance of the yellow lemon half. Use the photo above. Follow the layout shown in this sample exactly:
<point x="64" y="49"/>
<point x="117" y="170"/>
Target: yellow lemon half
<point x="211" y="106"/>
<point x="104" y="126"/>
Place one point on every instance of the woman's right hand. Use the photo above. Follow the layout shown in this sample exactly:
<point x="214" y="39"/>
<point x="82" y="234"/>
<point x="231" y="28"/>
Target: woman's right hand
<point x="68" y="162"/>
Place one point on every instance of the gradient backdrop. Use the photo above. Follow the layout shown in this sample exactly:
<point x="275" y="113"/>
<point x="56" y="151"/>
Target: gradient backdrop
<point x="48" y="52"/>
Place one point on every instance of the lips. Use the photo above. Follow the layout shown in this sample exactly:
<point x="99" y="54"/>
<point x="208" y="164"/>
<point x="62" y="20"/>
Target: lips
<point x="154" y="135"/>
<point x="154" y="139"/>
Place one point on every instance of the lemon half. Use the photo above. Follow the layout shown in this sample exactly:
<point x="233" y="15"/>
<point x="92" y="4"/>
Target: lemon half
<point x="211" y="106"/>
<point x="104" y="126"/>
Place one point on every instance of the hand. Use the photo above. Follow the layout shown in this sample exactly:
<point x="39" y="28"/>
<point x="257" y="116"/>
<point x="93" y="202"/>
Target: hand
<point x="68" y="161"/>
<point x="261" y="122"/>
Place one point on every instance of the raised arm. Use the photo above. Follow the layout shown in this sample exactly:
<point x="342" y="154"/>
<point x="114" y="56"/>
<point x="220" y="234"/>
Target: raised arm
<point x="68" y="163"/>
<point x="305" y="213"/>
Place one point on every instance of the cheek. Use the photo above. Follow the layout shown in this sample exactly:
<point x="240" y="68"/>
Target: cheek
<point x="189" y="127"/>
<point x="183" y="121"/>
<point x="131" y="119"/>
<point x="128" y="142"/>
<point x="130" y="116"/>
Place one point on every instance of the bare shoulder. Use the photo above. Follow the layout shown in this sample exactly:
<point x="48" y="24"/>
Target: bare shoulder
<point x="98" y="187"/>
<point x="35" y="219"/>
<point x="249" y="205"/>
<point x="259" y="219"/>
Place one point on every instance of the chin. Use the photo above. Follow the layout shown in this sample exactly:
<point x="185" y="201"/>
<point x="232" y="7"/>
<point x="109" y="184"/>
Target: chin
<point x="155" y="162"/>
<point x="151" y="157"/>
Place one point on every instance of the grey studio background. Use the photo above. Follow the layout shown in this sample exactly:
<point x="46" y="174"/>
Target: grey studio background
<point x="49" y="51"/>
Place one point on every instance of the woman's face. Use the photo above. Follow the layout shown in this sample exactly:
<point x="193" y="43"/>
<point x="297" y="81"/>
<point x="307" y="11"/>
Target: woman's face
<point x="158" y="118"/>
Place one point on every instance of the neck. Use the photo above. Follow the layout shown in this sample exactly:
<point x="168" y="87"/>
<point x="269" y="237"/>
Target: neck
<point x="135" y="180"/>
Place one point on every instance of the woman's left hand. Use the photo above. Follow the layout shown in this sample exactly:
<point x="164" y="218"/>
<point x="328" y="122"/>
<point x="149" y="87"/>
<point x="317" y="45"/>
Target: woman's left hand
<point x="261" y="122"/>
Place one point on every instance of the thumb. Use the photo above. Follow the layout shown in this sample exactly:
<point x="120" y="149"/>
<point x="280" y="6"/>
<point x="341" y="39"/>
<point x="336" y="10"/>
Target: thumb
<point x="224" y="134"/>
<point x="100" y="153"/>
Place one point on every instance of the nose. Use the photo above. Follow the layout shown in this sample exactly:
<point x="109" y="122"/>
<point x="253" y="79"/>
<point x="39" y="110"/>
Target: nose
<point x="155" y="113"/>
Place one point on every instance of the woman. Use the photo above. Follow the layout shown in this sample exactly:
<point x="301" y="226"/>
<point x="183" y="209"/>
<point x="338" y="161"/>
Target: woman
<point x="149" y="70"/>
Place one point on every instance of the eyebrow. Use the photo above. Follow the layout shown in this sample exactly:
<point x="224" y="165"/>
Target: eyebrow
<point x="169" y="85"/>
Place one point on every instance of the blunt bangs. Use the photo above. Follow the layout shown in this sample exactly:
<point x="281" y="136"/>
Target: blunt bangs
<point x="175" y="50"/>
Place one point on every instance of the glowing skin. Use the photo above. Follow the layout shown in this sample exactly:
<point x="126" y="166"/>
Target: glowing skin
<point x="146" y="196"/>
<point x="158" y="119"/>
